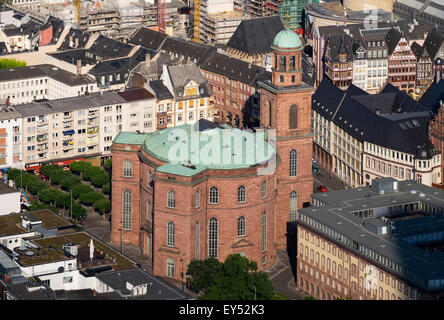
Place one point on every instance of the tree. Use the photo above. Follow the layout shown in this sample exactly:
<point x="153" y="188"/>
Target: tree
<point x="100" y="179"/>
<point x="35" y="186"/>
<point x="89" y="198"/>
<point x="68" y="182"/>
<point x="77" y="210"/>
<point x="106" y="188"/>
<point x="236" y="279"/>
<point x="108" y="164"/>
<point x="48" y="195"/>
<point x="102" y="205"/>
<point x="79" y="189"/>
<point x="203" y="273"/>
<point x="79" y="166"/>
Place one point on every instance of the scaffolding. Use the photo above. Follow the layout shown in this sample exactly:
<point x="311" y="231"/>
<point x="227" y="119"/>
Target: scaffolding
<point x="197" y="14"/>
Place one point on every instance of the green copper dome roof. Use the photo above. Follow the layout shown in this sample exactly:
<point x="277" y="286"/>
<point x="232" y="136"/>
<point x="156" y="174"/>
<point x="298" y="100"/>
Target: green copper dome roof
<point x="287" y="39"/>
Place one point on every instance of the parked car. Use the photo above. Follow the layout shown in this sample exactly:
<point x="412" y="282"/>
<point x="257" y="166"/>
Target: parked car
<point x="322" y="189"/>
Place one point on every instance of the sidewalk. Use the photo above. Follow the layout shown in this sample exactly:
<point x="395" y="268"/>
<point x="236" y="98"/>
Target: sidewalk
<point x="282" y="277"/>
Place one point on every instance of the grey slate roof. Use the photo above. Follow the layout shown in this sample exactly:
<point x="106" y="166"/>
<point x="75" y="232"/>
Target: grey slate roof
<point x="434" y="96"/>
<point x="181" y="75"/>
<point x="160" y="90"/>
<point x="68" y="104"/>
<point x="148" y="38"/>
<point x="357" y="115"/>
<point x="434" y="42"/>
<point x="43" y="70"/>
<point x="340" y="44"/>
<point x="337" y="214"/>
<point x="156" y="289"/>
<point x="26" y="29"/>
<point x="7" y="113"/>
<point x="255" y="36"/>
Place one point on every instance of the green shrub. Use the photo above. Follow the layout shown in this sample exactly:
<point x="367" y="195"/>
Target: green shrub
<point x="11" y="63"/>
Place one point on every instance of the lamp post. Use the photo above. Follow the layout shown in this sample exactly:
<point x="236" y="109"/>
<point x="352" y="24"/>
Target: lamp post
<point x="181" y="275"/>
<point x="71" y="203"/>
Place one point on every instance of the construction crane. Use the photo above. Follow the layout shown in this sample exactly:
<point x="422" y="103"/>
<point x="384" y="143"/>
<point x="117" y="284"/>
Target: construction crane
<point x="161" y="13"/>
<point x="78" y="5"/>
<point x="196" y="33"/>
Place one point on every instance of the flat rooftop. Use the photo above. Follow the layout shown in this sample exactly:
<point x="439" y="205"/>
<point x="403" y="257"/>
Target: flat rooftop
<point x="361" y="219"/>
<point x="103" y="256"/>
<point x="11" y="224"/>
<point x="5" y="189"/>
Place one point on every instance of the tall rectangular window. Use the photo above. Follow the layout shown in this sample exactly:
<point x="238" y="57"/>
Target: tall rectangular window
<point x="264" y="231"/>
<point x="126" y="212"/>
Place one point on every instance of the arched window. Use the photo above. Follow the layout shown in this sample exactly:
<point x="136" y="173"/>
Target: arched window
<point x="241" y="231"/>
<point x="171" y="202"/>
<point x="170" y="268"/>
<point x="127" y="168"/>
<point x="197" y="248"/>
<point x="293" y="205"/>
<point x="127" y="208"/>
<point x="264" y="189"/>
<point x="214" y="195"/>
<point x="293" y="163"/>
<point x="264" y="231"/>
<point x="241" y="194"/>
<point x="197" y="199"/>
<point x="170" y="234"/>
<point x="212" y="237"/>
<point x="293" y="117"/>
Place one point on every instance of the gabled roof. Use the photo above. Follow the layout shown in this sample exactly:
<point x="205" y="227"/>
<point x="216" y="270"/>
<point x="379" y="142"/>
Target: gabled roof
<point x="135" y="94"/>
<point x="148" y="38"/>
<point x="255" y="36"/>
<point x="180" y="75"/>
<point x="392" y="38"/>
<point x="340" y="44"/>
<point x="433" y="43"/>
<point x="160" y="90"/>
<point x="405" y="132"/>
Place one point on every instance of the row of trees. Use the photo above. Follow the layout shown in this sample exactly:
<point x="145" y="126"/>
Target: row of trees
<point x="235" y="279"/>
<point x="52" y="197"/>
<point x="95" y="175"/>
<point x="86" y="195"/>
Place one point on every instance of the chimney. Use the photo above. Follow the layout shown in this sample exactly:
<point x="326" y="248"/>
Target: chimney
<point x="249" y="65"/>
<point x="79" y="67"/>
<point x="147" y="60"/>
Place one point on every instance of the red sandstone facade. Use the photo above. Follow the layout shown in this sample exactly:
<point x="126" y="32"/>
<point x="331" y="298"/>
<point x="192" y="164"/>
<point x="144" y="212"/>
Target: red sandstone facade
<point x="151" y="213"/>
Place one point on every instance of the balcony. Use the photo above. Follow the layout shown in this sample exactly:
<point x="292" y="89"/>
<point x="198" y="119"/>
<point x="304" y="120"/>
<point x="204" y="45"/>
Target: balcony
<point x="67" y="116"/>
<point x="68" y="132"/>
<point x="93" y="122"/>
<point x="93" y="131"/>
<point x="42" y="138"/>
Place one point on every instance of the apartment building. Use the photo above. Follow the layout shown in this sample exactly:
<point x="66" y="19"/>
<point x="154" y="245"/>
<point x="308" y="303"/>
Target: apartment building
<point x="191" y="92"/>
<point x="372" y="243"/>
<point x="401" y="62"/>
<point x="84" y="126"/>
<point x="357" y="135"/>
<point x="25" y="84"/>
<point x="376" y="44"/>
<point x="10" y="138"/>
<point x="339" y="60"/>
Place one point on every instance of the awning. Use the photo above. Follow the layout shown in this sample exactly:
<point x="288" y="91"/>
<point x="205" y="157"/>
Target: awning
<point x="69" y="132"/>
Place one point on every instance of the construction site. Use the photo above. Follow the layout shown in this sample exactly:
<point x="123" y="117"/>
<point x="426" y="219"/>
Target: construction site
<point x="115" y="19"/>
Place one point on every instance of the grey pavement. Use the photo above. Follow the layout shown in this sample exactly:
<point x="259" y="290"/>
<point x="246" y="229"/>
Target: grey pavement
<point x="328" y="179"/>
<point x="281" y="275"/>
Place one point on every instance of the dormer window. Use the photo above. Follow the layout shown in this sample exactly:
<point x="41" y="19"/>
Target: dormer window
<point x="180" y="92"/>
<point x="201" y="90"/>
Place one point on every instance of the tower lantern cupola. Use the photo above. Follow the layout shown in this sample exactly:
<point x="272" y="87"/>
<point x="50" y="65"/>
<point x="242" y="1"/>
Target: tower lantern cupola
<point x="287" y="54"/>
